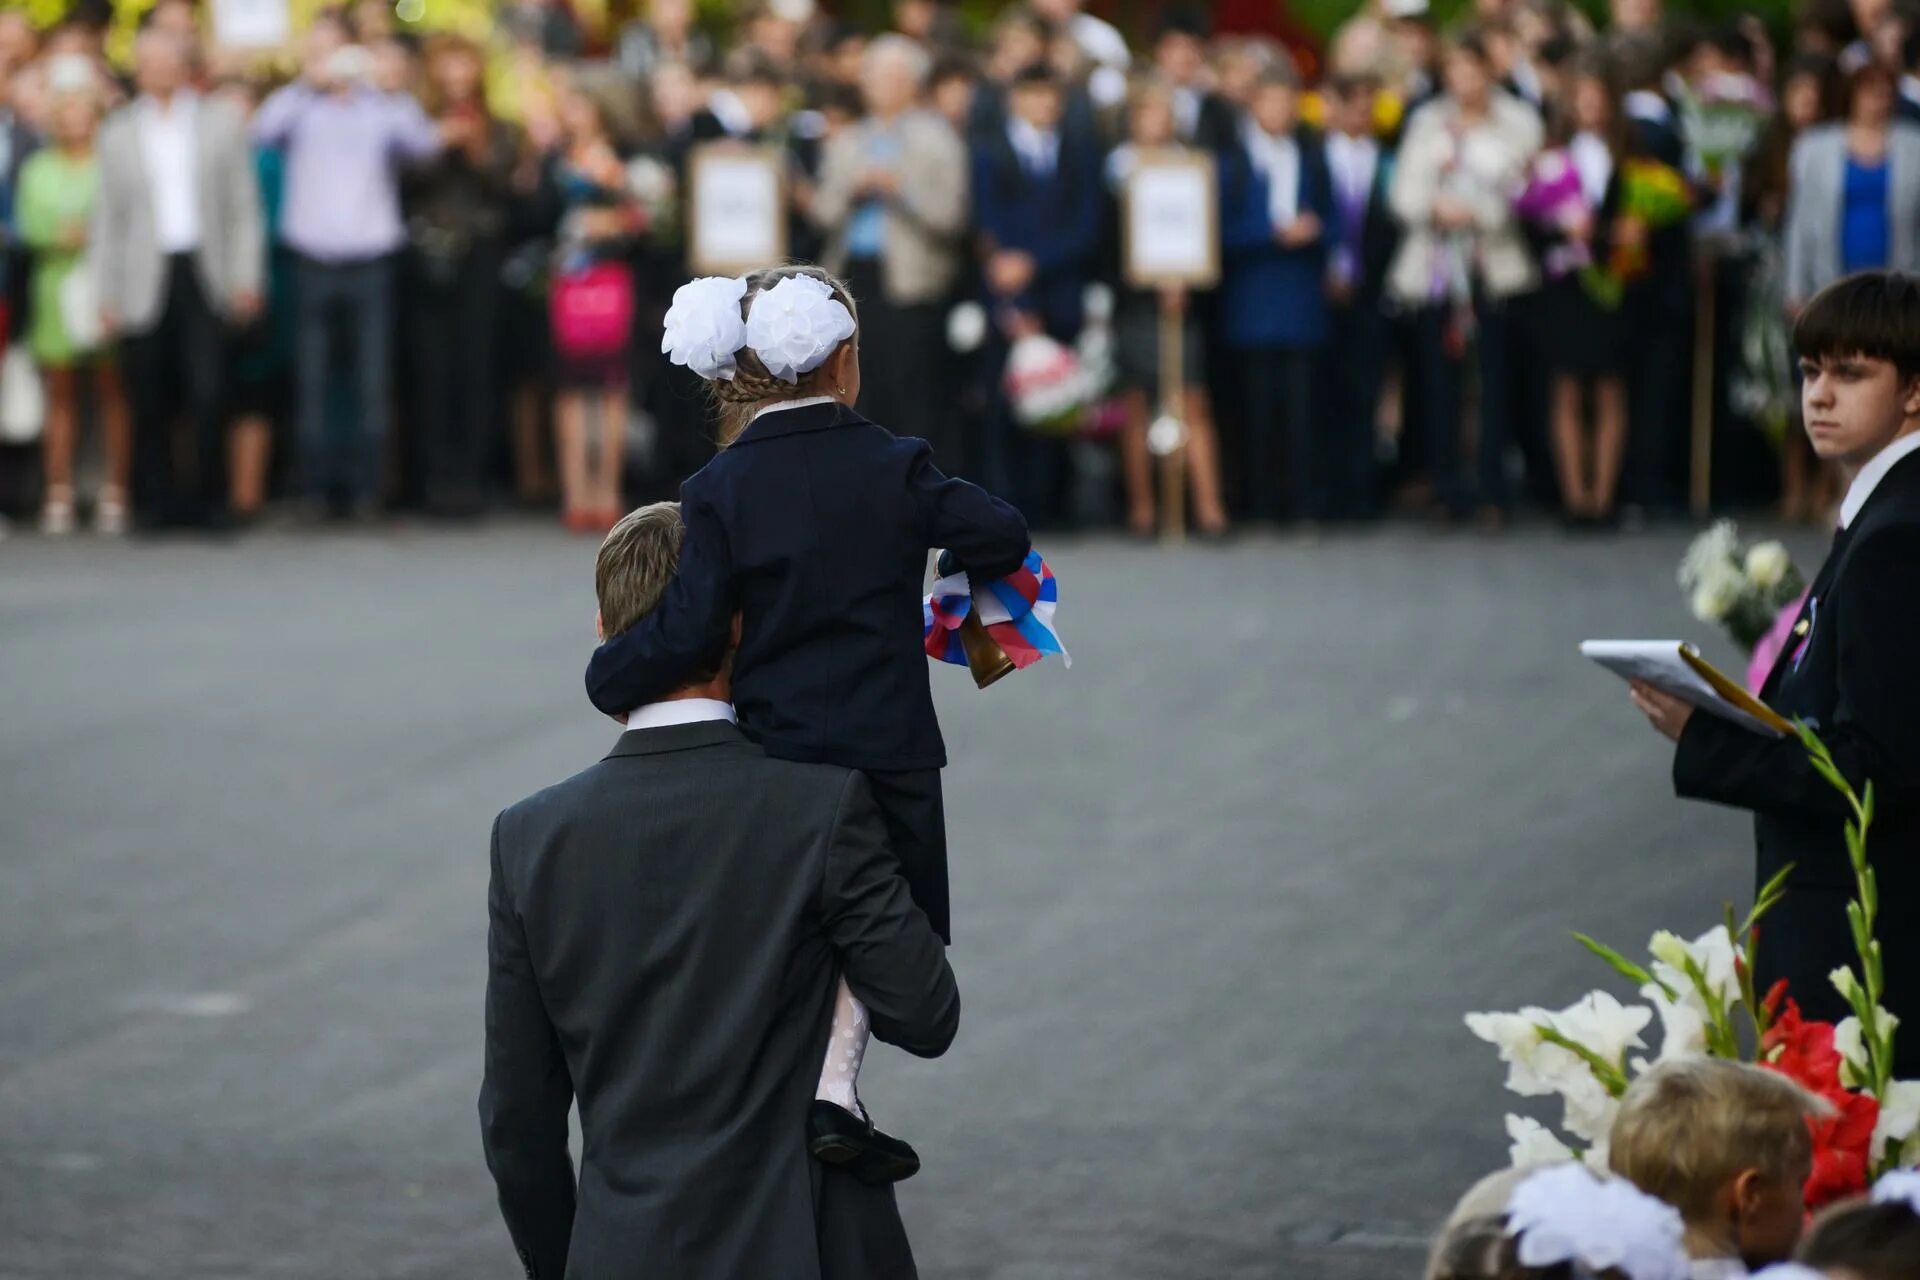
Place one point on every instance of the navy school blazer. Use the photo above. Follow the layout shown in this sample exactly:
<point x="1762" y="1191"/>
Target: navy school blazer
<point x="814" y="525"/>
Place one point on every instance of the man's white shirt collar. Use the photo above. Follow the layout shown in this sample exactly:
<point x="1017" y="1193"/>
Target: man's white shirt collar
<point x="1644" y="104"/>
<point x="1872" y="474"/>
<point x="661" y="715"/>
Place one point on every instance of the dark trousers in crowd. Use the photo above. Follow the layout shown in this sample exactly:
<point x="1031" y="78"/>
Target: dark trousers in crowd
<point x="1442" y="350"/>
<point x="1362" y="340"/>
<point x="344" y="321"/>
<point x="1660" y="318"/>
<point x="1269" y="455"/>
<point x="173" y="373"/>
<point x="903" y="366"/>
<point x="453" y="304"/>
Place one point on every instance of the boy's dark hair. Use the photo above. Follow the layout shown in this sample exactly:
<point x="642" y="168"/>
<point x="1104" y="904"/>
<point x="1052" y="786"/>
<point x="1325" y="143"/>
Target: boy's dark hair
<point x="1870" y="1241"/>
<point x="1185" y="20"/>
<point x="1874" y="314"/>
<point x="953" y="66"/>
<point x="1035" y="75"/>
<point x="1346" y="84"/>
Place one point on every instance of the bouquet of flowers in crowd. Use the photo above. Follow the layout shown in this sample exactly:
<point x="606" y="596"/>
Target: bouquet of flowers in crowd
<point x="1055" y="389"/>
<point x="1653" y="196"/>
<point x="1703" y="994"/>
<point x="1552" y="198"/>
<point x="1722" y="115"/>
<point x="1741" y="589"/>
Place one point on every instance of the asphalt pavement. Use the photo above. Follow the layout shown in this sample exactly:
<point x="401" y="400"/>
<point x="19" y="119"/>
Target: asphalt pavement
<point x="1223" y="891"/>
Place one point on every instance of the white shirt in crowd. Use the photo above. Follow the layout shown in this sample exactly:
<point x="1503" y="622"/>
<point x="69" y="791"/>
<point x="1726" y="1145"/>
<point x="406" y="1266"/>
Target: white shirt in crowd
<point x="168" y="148"/>
<point x="1278" y="160"/>
<point x="1353" y="162"/>
<point x="1872" y="474"/>
<point x="1039" y="149"/>
<point x="660" y="715"/>
<point x="1593" y="161"/>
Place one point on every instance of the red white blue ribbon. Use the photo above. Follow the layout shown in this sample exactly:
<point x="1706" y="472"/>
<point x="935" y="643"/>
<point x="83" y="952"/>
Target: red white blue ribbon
<point x="1017" y="612"/>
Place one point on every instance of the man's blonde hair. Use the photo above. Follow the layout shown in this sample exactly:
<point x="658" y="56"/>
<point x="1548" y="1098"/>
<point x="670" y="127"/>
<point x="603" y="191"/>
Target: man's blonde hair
<point x="636" y="562"/>
<point x="1690" y="1126"/>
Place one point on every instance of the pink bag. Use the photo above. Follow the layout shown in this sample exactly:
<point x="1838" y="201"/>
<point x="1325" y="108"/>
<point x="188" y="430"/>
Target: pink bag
<point x="593" y="312"/>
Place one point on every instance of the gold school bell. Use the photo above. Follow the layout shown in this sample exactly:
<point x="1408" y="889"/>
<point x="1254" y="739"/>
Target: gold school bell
<point x="985" y="658"/>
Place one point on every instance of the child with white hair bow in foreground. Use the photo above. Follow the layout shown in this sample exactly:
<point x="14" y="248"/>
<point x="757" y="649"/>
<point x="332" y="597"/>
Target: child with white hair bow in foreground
<point x="1561" y="1222"/>
<point x="811" y="529"/>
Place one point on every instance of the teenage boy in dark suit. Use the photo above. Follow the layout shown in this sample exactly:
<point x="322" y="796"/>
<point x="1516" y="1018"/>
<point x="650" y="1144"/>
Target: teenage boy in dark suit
<point x="1851" y="670"/>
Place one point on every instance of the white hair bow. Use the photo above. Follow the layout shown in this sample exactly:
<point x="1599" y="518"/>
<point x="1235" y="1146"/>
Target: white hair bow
<point x="704" y="329"/>
<point x="1902" y="1186"/>
<point x="1566" y="1214"/>
<point x="794" y="326"/>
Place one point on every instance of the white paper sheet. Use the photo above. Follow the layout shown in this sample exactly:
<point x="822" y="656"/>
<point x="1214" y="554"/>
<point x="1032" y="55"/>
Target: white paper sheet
<point x="1660" y="664"/>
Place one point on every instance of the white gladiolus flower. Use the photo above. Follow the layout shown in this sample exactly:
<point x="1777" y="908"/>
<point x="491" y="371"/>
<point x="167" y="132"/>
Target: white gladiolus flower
<point x="1683" y="1022"/>
<point x="1597" y="1157"/>
<point x="1603" y="1024"/>
<point x="1534" y="1144"/>
<point x="1767" y="565"/>
<point x="794" y="326"/>
<point x="1852" y="1047"/>
<point x="1711" y="552"/>
<point x="1899" y="1116"/>
<point x="1713" y="599"/>
<point x="1712" y="954"/>
<point x="704" y="329"/>
<point x="1588" y="1110"/>
<point x="1847" y="983"/>
<point x="1517" y="1037"/>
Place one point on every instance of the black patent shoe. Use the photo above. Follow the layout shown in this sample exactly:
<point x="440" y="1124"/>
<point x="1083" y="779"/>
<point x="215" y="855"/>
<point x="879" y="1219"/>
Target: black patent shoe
<point x="838" y="1137"/>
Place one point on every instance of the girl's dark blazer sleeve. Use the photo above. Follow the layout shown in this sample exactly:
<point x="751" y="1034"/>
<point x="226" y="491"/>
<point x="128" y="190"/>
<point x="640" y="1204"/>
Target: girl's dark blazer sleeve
<point x="685" y="631"/>
<point x="988" y="537"/>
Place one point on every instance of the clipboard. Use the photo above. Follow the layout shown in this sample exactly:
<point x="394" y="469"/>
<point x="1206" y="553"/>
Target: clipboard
<point x="1676" y="667"/>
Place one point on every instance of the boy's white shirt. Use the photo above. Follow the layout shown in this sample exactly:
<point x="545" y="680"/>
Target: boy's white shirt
<point x="1872" y="474"/>
<point x="1717" y="1269"/>
<point x="659" y="715"/>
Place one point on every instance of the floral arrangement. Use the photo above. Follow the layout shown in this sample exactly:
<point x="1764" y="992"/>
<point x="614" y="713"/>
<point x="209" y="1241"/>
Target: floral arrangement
<point x="1703" y="994"/>
<point x="1653" y="196"/>
<point x="1721" y="117"/>
<point x="1552" y="198"/>
<point x="1743" y="589"/>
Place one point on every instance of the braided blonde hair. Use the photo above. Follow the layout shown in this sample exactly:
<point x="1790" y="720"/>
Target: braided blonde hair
<point x="752" y="386"/>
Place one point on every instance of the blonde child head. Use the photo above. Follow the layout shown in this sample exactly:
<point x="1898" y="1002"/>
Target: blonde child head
<point x="1725" y="1143"/>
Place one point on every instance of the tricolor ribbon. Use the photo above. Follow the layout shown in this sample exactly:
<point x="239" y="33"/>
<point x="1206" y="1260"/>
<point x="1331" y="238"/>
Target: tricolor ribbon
<point x="1017" y="612"/>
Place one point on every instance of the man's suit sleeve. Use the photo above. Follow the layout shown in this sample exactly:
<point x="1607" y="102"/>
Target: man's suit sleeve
<point x="524" y="1095"/>
<point x="988" y="537"/>
<point x="891" y="957"/>
<point x="1875" y="734"/>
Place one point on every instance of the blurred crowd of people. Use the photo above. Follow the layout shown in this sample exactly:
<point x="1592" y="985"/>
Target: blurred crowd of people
<point x="1512" y="262"/>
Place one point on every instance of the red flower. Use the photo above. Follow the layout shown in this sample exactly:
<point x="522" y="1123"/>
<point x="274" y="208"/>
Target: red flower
<point x="1800" y="1050"/>
<point x="1842" y="1142"/>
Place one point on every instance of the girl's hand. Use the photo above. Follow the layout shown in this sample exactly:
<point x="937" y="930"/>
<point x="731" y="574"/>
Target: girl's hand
<point x="73" y="236"/>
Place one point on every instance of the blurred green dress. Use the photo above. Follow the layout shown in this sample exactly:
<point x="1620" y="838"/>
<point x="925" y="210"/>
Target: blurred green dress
<point x="57" y="192"/>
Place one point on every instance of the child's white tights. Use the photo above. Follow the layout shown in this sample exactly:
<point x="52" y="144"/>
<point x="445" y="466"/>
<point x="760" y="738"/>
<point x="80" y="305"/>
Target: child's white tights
<point x="846" y="1046"/>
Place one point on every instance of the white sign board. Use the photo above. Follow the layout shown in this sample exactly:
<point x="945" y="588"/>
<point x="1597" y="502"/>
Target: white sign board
<point x="1171" y="221"/>
<point x="251" y="24"/>
<point x="737" y="209"/>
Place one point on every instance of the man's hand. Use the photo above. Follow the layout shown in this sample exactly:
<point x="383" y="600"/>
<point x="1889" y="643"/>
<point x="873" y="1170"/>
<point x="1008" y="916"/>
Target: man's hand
<point x="880" y="182"/>
<point x="1302" y="231"/>
<point x="1666" y="713"/>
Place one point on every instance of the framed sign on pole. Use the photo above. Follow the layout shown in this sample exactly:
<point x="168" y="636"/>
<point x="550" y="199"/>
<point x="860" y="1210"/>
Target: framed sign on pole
<point x="252" y="24"/>
<point x="1170" y="241"/>
<point x="736" y="208"/>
